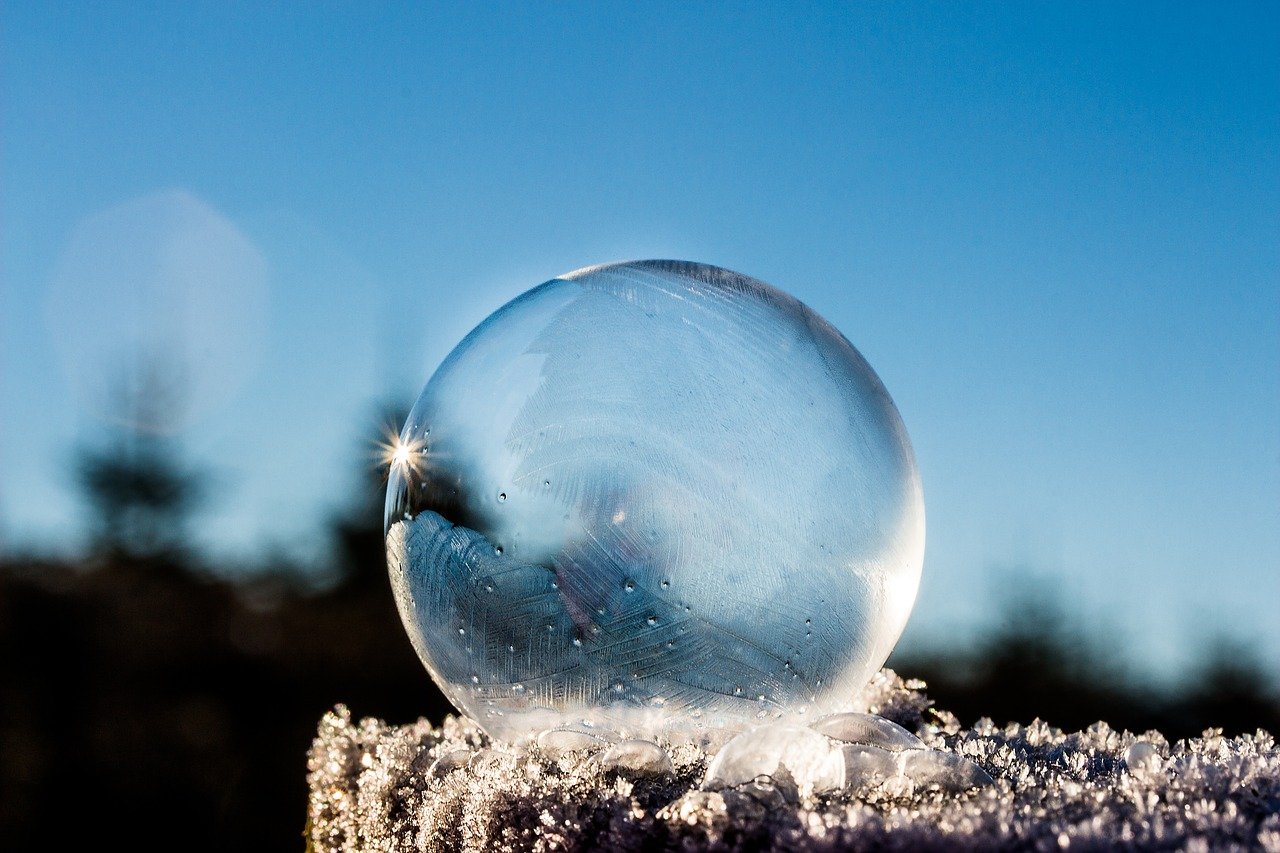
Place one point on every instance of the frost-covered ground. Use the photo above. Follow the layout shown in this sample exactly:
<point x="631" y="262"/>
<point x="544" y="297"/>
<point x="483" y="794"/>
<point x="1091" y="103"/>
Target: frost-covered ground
<point x="859" y="784"/>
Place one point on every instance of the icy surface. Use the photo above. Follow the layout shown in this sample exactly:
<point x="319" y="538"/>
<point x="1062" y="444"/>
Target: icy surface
<point x="417" y="787"/>
<point x="653" y="494"/>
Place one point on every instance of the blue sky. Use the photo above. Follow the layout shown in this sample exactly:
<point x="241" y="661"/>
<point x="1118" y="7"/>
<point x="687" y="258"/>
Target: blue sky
<point x="1051" y="228"/>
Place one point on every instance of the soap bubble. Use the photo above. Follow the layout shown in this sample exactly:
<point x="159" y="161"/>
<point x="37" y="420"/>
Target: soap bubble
<point x="653" y="496"/>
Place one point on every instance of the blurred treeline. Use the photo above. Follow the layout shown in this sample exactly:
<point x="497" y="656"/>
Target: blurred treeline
<point x="1039" y="659"/>
<point x="147" y="700"/>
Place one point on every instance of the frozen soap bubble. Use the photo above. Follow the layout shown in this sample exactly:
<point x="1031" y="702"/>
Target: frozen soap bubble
<point x="653" y="496"/>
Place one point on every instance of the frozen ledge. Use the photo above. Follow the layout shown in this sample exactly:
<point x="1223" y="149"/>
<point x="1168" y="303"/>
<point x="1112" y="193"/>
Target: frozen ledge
<point x="416" y="787"/>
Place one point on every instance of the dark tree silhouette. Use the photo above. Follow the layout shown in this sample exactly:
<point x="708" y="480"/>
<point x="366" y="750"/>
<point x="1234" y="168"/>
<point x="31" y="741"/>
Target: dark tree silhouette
<point x="139" y="492"/>
<point x="1228" y="690"/>
<point x="166" y="706"/>
<point x="140" y="496"/>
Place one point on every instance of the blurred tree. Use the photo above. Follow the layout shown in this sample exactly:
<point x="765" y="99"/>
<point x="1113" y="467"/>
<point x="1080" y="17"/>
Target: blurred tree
<point x="1231" y="689"/>
<point x="140" y="493"/>
<point x="141" y="497"/>
<point x="1035" y="660"/>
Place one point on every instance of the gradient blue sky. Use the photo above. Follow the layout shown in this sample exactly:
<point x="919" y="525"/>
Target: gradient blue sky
<point x="1053" y="229"/>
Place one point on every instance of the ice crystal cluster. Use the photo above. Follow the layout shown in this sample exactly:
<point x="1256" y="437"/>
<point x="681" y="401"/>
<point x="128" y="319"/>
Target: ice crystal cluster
<point x="653" y="495"/>
<point x="909" y="779"/>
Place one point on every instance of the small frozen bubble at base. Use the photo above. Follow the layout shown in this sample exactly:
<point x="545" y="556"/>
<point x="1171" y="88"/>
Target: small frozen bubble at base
<point x="765" y="793"/>
<point x="792" y="754"/>
<point x="812" y="761"/>
<point x="865" y="766"/>
<point x="946" y="771"/>
<point x="868" y="729"/>
<point x="557" y="742"/>
<point x="637" y="758"/>
<point x="448" y="762"/>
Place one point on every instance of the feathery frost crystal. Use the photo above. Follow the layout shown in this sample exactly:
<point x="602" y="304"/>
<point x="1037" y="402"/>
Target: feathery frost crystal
<point x="653" y="496"/>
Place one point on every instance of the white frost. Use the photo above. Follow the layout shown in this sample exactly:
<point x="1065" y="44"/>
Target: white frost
<point x="417" y="787"/>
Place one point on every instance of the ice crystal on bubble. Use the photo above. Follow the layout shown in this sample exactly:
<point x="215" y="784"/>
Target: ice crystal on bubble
<point x="653" y="495"/>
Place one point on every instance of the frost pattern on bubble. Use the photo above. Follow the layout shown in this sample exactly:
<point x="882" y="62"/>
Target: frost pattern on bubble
<point x="653" y="495"/>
